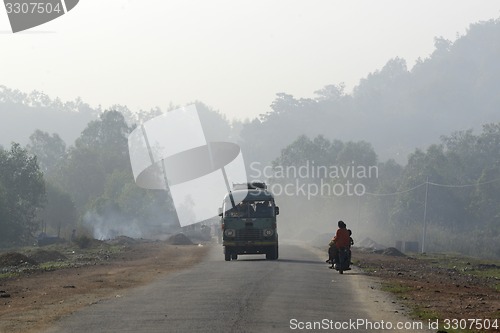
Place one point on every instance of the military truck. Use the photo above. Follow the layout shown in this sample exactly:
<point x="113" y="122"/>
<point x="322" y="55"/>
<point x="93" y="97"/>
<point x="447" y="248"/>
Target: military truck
<point x="248" y="218"/>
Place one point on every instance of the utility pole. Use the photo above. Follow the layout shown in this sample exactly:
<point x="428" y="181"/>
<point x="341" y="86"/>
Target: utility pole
<point x="425" y="214"/>
<point x="359" y="213"/>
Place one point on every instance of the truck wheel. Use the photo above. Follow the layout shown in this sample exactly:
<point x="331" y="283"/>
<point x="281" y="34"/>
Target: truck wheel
<point x="227" y="256"/>
<point x="234" y="256"/>
<point x="272" y="254"/>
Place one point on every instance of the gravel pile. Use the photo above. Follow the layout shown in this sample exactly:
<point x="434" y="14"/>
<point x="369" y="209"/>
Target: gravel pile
<point x="179" y="239"/>
<point x="391" y="251"/>
<point x="14" y="259"/>
<point x="41" y="256"/>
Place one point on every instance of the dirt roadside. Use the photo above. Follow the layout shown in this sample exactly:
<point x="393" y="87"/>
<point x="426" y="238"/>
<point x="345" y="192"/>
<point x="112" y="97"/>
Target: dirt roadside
<point x="434" y="287"/>
<point x="30" y="301"/>
<point x="439" y="287"/>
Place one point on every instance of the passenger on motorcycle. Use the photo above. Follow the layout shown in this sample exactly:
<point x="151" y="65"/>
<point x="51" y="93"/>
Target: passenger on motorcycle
<point x="351" y="243"/>
<point x="341" y="239"/>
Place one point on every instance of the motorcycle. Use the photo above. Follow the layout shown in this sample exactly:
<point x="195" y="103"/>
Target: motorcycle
<point x="343" y="260"/>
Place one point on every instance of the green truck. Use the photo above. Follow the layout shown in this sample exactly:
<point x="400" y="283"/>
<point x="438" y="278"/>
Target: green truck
<point x="248" y="218"/>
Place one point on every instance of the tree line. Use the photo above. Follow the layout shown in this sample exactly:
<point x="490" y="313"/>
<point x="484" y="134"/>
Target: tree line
<point x="395" y="108"/>
<point x="456" y="182"/>
<point x="83" y="185"/>
<point x="67" y="187"/>
<point x="88" y="181"/>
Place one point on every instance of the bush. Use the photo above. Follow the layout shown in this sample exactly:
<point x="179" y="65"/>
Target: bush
<point x="83" y="241"/>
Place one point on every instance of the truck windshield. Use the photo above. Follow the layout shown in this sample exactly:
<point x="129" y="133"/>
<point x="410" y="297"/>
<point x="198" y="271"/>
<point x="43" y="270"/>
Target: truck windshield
<point x="260" y="208"/>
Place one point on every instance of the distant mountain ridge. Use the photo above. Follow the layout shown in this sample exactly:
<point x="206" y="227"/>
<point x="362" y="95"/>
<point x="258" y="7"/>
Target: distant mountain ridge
<point x="395" y="109"/>
<point x="21" y="114"/>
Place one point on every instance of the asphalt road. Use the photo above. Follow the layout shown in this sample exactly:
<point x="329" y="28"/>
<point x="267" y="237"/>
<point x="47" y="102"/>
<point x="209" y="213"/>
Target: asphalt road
<point x="250" y="294"/>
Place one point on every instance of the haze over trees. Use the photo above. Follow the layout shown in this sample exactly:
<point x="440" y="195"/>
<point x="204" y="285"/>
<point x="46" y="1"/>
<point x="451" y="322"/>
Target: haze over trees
<point x="438" y="121"/>
<point x="394" y="108"/>
<point x="23" y="113"/>
<point x="22" y="191"/>
<point x="461" y="176"/>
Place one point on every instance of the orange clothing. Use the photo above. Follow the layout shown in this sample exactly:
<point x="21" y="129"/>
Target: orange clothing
<point x="342" y="238"/>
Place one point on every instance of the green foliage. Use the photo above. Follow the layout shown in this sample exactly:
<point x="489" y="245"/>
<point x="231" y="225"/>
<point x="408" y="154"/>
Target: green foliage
<point x="22" y="192"/>
<point x="82" y="175"/>
<point x="391" y="111"/>
<point x="320" y="167"/>
<point x="100" y="150"/>
<point x="321" y="155"/>
<point x="23" y="114"/>
<point x="395" y="108"/>
<point x="48" y="149"/>
<point x="125" y="206"/>
<point x="461" y="216"/>
<point x="3" y="201"/>
<point x="83" y="241"/>
<point x="93" y="178"/>
<point x="455" y="206"/>
<point x="107" y="138"/>
<point x="215" y="125"/>
<point x="59" y="212"/>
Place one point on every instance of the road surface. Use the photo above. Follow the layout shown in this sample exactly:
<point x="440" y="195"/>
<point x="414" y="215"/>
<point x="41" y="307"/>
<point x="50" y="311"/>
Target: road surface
<point x="297" y="293"/>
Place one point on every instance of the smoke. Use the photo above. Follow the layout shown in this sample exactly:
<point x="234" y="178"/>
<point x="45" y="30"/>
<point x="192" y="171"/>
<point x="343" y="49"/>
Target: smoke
<point x="112" y="224"/>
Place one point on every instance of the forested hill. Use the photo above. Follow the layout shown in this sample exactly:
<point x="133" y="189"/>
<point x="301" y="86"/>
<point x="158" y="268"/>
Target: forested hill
<point x="88" y="183"/>
<point x="21" y="114"/>
<point x="395" y="108"/>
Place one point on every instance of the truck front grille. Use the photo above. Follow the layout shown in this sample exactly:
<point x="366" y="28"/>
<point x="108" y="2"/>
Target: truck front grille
<point x="248" y="234"/>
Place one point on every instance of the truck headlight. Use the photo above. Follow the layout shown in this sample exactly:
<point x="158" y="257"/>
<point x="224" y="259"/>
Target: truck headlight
<point x="268" y="232"/>
<point x="229" y="232"/>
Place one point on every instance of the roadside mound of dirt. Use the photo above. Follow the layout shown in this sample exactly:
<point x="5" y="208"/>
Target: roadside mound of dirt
<point x="42" y="256"/>
<point x="391" y="251"/>
<point x="370" y="244"/>
<point x="179" y="239"/>
<point x="11" y="259"/>
<point x="122" y="240"/>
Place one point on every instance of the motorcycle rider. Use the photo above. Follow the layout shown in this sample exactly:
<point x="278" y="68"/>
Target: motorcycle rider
<point x="342" y="239"/>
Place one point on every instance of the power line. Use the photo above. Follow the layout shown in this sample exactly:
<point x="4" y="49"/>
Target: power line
<point x="466" y="185"/>
<point x="434" y="184"/>
<point x="395" y="193"/>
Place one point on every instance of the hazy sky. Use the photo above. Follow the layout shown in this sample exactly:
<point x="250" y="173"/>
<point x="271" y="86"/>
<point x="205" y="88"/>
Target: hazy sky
<point x="232" y="55"/>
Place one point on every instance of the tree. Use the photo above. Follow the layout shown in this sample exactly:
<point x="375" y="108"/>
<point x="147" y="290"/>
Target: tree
<point x="59" y="211"/>
<point x="49" y="149"/>
<point x="331" y="92"/>
<point x="215" y="125"/>
<point x="82" y="175"/>
<point x="383" y="87"/>
<point x="446" y="206"/>
<point x="101" y="149"/>
<point x="3" y="204"/>
<point x="23" y="193"/>
<point x="303" y="150"/>
<point x="359" y="153"/>
<point x="126" y="209"/>
<point x="107" y="137"/>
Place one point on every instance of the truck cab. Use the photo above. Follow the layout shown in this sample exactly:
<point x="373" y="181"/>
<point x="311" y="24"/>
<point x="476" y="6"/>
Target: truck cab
<point x="248" y="221"/>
